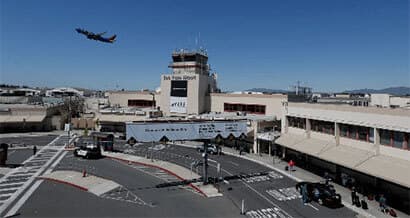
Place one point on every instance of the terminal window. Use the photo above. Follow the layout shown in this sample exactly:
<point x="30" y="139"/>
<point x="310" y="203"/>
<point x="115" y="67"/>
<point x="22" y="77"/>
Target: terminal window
<point x="248" y="108"/>
<point x="361" y="133"/>
<point x="322" y="126"/>
<point x="140" y="103"/>
<point x="297" y="122"/>
<point x="394" y="138"/>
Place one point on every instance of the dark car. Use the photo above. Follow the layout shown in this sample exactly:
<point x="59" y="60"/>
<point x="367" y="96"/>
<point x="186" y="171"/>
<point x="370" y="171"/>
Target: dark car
<point x="326" y="193"/>
<point x="88" y="151"/>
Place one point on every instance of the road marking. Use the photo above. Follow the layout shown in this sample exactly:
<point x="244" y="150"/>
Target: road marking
<point x="284" y="194"/>
<point x="11" y="183"/>
<point x="258" y="193"/>
<point x="23" y="199"/>
<point x="233" y="163"/>
<point x="8" y="189"/>
<point x="39" y="170"/>
<point x="267" y="213"/>
<point x="309" y="204"/>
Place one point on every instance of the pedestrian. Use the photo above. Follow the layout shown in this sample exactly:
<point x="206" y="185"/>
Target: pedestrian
<point x="382" y="203"/>
<point x="291" y="164"/>
<point x="34" y="150"/>
<point x="240" y="151"/>
<point x="354" y="196"/>
<point x="305" y="198"/>
<point x="316" y="193"/>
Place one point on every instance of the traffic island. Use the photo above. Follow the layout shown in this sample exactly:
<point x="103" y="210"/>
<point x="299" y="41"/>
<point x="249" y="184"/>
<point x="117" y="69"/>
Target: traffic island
<point x="93" y="184"/>
<point x="179" y="172"/>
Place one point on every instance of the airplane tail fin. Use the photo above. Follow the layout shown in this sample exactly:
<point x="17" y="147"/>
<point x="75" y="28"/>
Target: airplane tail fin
<point x="112" y="38"/>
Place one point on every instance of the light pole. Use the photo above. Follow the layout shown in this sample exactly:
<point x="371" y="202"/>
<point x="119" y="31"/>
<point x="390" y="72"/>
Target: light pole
<point x="69" y="120"/>
<point x="205" y="167"/>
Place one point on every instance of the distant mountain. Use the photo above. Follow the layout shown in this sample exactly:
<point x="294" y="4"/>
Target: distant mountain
<point x="265" y="90"/>
<point x="401" y="90"/>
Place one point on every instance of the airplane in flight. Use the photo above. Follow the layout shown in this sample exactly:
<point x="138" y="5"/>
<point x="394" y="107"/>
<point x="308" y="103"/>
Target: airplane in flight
<point x="97" y="37"/>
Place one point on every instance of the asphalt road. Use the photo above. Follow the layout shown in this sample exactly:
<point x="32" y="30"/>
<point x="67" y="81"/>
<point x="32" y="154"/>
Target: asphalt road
<point x="260" y="193"/>
<point x="22" y="141"/>
<point x="266" y="196"/>
<point x="18" y="156"/>
<point x="21" y="148"/>
<point x="58" y="200"/>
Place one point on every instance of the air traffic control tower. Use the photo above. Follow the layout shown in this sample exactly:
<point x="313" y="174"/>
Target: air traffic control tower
<point x="186" y="90"/>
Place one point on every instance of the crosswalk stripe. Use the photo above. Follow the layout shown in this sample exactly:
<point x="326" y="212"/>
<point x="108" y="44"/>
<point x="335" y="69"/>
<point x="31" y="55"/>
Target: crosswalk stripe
<point x="8" y="189"/>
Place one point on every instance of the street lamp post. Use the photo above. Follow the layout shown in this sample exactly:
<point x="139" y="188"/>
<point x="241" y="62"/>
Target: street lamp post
<point x="69" y="121"/>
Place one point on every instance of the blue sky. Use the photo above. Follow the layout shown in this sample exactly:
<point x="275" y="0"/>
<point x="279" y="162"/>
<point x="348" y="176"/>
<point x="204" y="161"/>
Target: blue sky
<point x="328" y="45"/>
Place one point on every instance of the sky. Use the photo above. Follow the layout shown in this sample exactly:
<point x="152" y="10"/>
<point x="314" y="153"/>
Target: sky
<point x="328" y="45"/>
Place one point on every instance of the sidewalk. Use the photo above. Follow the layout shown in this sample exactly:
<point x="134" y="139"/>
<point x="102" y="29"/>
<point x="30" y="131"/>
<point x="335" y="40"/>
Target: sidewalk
<point x="180" y="172"/>
<point x="90" y="183"/>
<point x="303" y="175"/>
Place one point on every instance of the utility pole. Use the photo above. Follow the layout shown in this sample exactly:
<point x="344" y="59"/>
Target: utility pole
<point x="205" y="167"/>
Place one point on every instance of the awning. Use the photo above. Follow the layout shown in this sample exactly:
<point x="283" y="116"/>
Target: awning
<point x="288" y="140"/>
<point x="268" y="136"/>
<point x="313" y="146"/>
<point x="388" y="168"/>
<point x="345" y="155"/>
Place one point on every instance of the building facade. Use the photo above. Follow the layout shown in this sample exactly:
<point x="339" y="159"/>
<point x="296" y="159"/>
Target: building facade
<point x="186" y="91"/>
<point x="366" y="145"/>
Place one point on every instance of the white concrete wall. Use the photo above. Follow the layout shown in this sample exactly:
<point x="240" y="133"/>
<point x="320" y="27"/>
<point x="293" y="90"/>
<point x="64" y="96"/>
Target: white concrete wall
<point x="391" y="119"/>
<point x="273" y="103"/>
<point x="196" y="97"/>
<point x="395" y="152"/>
<point x="383" y="121"/>
<point x="381" y="100"/>
<point x="400" y="101"/>
<point x="121" y="97"/>
<point x="297" y="131"/>
<point x="357" y="144"/>
<point x="322" y="136"/>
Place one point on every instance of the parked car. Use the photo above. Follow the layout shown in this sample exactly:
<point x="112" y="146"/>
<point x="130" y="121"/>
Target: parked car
<point x="88" y="151"/>
<point x="211" y="149"/>
<point x="326" y="193"/>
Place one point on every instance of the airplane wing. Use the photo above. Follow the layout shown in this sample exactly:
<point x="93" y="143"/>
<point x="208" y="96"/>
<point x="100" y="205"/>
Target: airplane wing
<point x="85" y="32"/>
<point x="100" y="34"/>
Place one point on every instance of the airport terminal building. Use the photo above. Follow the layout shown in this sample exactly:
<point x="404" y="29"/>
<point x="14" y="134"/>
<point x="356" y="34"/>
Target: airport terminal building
<point x="192" y="90"/>
<point x="364" y="146"/>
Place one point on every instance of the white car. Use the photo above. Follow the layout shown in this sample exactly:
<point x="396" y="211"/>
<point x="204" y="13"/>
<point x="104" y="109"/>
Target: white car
<point x="211" y="149"/>
<point x="88" y="151"/>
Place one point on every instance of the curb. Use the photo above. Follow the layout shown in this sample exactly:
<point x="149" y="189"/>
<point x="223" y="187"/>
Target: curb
<point x="161" y="168"/>
<point x="346" y="204"/>
<point x="64" y="182"/>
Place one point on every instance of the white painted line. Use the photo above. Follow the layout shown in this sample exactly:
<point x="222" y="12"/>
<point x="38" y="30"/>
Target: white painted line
<point x="6" y="204"/>
<point x="8" y="189"/>
<point x="6" y="195"/>
<point x="23" y="199"/>
<point x="258" y="193"/>
<point x="11" y="183"/>
<point x="233" y="163"/>
<point x="309" y="204"/>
